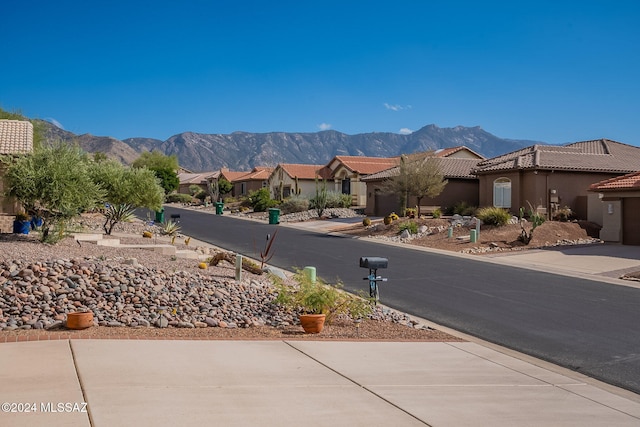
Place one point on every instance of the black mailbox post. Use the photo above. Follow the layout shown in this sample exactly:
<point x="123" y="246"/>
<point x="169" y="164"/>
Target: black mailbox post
<point x="373" y="263"/>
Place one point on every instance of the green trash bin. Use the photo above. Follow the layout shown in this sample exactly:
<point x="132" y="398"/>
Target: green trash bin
<point x="274" y="216"/>
<point x="160" y="215"/>
<point x="219" y="207"/>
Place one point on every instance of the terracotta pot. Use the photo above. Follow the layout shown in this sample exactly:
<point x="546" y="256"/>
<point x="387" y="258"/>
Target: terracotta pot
<point x="312" y="323"/>
<point x="80" y="320"/>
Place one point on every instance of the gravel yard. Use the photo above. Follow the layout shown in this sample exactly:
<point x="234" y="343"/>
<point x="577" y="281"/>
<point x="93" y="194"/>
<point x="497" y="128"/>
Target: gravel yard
<point x="139" y="293"/>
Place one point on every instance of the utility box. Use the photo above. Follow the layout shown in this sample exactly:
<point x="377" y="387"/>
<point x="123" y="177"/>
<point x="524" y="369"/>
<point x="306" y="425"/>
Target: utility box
<point x="373" y="262"/>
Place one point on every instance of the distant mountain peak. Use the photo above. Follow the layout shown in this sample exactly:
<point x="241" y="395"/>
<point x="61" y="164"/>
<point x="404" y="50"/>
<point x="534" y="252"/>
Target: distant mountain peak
<point x="244" y="150"/>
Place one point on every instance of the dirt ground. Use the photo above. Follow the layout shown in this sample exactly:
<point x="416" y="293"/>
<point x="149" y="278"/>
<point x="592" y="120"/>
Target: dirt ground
<point x="505" y="237"/>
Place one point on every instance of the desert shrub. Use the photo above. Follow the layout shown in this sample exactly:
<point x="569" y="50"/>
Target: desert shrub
<point x="409" y="225"/>
<point x="394" y="216"/>
<point x="493" y="216"/>
<point x="334" y="200"/>
<point x="410" y="212"/>
<point x="366" y="222"/>
<point x="462" y="208"/>
<point x="387" y="220"/>
<point x="437" y="213"/>
<point x="564" y="214"/>
<point x="179" y="198"/>
<point x="294" y="204"/>
<point x="261" y="200"/>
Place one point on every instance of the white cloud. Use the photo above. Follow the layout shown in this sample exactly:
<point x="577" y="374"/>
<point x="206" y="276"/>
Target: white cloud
<point x="405" y="131"/>
<point x="324" y="126"/>
<point x="55" y="122"/>
<point x="396" y="107"/>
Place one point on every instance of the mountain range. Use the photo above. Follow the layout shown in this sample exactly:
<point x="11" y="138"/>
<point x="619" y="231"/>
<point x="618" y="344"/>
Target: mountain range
<point x="243" y="150"/>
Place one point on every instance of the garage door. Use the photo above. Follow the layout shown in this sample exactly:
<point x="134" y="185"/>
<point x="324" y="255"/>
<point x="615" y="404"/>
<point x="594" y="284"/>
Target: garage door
<point x="631" y="221"/>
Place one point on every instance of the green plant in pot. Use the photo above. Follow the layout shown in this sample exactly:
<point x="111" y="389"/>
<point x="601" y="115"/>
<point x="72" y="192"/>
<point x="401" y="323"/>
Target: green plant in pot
<point x="318" y="303"/>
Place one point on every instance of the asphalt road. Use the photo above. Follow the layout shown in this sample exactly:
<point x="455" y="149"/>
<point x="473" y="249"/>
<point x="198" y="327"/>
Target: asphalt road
<point x="587" y="326"/>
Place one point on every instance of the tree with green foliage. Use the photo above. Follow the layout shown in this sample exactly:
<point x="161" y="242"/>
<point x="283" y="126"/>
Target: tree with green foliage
<point x="425" y="179"/>
<point x="417" y="176"/>
<point x="218" y="188"/>
<point x="54" y="183"/>
<point x="163" y="166"/>
<point x="125" y="189"/>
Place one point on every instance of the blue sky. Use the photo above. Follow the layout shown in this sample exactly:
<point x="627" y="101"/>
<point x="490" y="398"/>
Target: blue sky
<point x="553" y="71"/>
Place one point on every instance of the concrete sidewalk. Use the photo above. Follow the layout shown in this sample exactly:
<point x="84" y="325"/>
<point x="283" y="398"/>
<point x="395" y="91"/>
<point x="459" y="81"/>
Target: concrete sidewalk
<point x="292" y="383"/>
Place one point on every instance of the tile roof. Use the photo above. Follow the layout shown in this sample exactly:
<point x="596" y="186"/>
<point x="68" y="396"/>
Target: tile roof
<point x="447" y="152"/>
<point x="601" y="155"/>
<point x="302" y="171"/>
<point x="196" y="178"/>
<point x="233" y="176"/>
<point x="626" y="182"/>
<point x="367" y="165"/>
<point x="258" y="173"/>
<point x="451" y="167"/>
<point x="16" y="136"/>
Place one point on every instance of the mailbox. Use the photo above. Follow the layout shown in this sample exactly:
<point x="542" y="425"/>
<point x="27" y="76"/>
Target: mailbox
<point x="373" y="262"/>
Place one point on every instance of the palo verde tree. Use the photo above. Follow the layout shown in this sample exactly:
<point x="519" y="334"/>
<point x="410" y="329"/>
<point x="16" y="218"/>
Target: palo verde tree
<point x="54" y="183"/>
<point x="417" y="176"/>
<point x="125" y="188"/>
<point x="163" y="166"/>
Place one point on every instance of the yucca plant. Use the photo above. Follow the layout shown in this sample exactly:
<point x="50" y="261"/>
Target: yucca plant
<point x="115" y="214"/>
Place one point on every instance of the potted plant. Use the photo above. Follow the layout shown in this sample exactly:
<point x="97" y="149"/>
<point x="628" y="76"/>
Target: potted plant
<point x="22" y="224"/>
<point x="318" y="303"/>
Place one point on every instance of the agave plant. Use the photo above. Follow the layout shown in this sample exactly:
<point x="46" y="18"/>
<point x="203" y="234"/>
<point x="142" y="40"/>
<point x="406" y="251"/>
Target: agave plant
<point x="115" y="214"/>
<point x="170" y="228"/>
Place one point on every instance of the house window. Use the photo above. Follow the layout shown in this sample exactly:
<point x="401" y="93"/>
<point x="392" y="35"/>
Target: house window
<point x="502" y="193"/>
<point x="346" y="186"/>
<point x="243" y="188"/>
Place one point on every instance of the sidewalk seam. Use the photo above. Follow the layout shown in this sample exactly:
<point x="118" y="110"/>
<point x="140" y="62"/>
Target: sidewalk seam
<point x="358" y="384"/>
<point x="84" y="397"/>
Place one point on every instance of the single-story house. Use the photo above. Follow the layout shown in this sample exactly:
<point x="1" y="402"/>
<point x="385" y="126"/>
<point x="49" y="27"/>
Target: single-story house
<point x="455" y="164"/>
<point x="551" y="177"/>
<point x="620" y="200"/>
<point x="16" y="137"/>
<point x="289" y="179"/>
<point x="347" y="172"/>
<point x="246" y="182"/>
<point x="187" y="179"/>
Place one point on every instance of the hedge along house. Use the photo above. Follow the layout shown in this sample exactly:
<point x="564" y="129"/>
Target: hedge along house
<point x="620" y="204"/>
<point x="347" y="173"/>
<point x="455" y="164"/>
<point x="16" y="137"/>
<point x="552" y="177"/>
<point x="289" y="179"/>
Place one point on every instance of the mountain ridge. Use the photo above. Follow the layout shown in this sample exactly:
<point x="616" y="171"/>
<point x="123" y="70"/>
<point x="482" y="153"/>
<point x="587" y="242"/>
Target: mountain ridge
<point x="244" y="150"/>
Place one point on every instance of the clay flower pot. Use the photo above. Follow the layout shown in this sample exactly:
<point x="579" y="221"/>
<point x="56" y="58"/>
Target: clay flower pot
<point x="312" y="323"/>
<point x="79" y="320"/>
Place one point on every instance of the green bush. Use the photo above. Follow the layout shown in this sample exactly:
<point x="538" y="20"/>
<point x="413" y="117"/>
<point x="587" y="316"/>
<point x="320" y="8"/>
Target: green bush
<point x="437" y="213"/>
<point x="261" y="200"/>
<point x="462" y="208"/>
<point x="409" y="225"/>
<point x="294" y="204"/>
<point x="493" y="216"/>
<point x="338" y="200"/>
<point x="179" y="198"/>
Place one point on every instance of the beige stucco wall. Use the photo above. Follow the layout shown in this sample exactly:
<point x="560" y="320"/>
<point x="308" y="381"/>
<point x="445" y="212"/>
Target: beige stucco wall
<point x="307" y="186"/>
